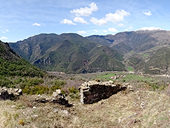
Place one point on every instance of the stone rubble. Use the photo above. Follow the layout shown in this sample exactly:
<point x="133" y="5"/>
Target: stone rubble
<point x="94" y="91"/>
<point x="57" y="97"/>
<point x="10" y="93"/>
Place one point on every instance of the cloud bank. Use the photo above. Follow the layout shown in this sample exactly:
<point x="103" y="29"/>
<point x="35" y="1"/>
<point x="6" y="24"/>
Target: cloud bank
<point x="66" y="21"/>
<point x="87" y="11"/>
<point x="111" y="17"/>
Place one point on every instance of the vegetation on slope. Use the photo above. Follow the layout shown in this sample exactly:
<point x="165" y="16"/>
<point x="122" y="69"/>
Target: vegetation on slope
<point x="70" y="53"/>
<point x="147" y="47"/>
<point x="155" y="63"/>
<point x="13" y="65"/>
<point x="140" y="108"/>
<point x="13" y="68"/>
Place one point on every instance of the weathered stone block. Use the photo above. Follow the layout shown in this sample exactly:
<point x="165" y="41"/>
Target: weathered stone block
<point x="93" y="91"/>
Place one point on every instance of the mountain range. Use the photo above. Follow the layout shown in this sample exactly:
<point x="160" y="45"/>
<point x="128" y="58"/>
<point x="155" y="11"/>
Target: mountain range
<point x="143" y="50"/>
<point x="146" y="51"/>
<point x="68" y="52"/>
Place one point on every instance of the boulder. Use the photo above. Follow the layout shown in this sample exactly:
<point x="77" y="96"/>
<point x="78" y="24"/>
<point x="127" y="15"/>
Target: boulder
<point x="10" y="93"/>
<point x="57" y="97"/>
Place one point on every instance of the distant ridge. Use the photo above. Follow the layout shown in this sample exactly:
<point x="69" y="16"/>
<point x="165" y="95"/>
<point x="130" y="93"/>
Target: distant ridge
<point x="68" y="52"/>
<point x="140" y="48"/>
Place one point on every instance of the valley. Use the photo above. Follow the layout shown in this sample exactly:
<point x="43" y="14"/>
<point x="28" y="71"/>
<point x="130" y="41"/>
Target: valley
<point x="64" y="62"/>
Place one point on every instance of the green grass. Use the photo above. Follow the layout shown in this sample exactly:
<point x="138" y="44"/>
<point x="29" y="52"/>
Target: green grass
<point x="130" y="69"/>
<point x="131" y="77"/>
<point x="131" y="52"/>
<point x="145" y="55"/>
<point x="127" y="78"/>
<point x="105" y="76"/>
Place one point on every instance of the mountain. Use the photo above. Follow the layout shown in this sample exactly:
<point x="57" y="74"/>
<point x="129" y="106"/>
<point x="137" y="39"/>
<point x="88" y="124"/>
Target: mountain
<point x="141" y="49"/>
<point x="68" y="52"/>
<point x="137" y="41"/>
<point x="11" y="64"/>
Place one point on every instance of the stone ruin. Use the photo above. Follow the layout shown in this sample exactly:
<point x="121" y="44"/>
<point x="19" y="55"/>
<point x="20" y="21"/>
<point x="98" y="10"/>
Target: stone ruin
<point x="57" y="97"/>
<point x="10" y="93"/>
<point x="93" y="91"/>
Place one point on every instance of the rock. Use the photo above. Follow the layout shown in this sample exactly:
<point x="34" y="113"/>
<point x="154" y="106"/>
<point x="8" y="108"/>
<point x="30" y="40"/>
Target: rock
<point x="130" y="88"/>
<point x="57" y="97"/>
<point x="55" y="110"/>
<point x="65" y="112"/>
<point x="93" y="91"/>
<point x="34" y="116"/>
<point x="58" y="91"/>
<point x="41" y="100"/>
<point x="10" y="93"/>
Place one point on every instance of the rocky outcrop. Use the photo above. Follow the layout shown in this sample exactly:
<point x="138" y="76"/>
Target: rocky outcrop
<point x="93" y="91"/>
<point x="10" y="93"/>
<point x="57" y="97"/>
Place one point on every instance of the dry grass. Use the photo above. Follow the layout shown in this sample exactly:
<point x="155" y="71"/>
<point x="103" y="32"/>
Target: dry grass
<point x="137" y="109"/>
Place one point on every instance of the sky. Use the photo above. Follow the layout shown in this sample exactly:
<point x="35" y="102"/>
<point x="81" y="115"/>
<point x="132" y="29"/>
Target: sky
<point x="20" y="19"/>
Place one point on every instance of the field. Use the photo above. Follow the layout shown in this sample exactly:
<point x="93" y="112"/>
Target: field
<point x="147" y="106"/>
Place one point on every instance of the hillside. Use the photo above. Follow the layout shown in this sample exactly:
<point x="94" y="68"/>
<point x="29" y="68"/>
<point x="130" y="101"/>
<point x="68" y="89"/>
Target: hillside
<point x="137" y="41"/>
<point x="12" y="64"/>
<point x="142" y="50"/>
<point x="70" y="53"/>
<point x="147" y="106"/>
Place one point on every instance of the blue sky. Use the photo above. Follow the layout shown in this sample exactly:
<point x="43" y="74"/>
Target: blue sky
<point x="20" y="19"/>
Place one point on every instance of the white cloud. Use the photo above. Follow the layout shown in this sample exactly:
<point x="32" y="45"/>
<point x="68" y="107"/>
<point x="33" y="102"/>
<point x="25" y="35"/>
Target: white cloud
<point x="5" y="31"/>
<point x="87" y="11"/>
<point x="148" y="13"/>
<point x="66" y="21"/>
<point x="98" y="22"/>
<point x="3" y="38"/>
<point x="150" y="28"/>
<point x="80" y="20"/>
<point x="116" y="17"/>
<point x="112" y="29"/>
<point x="81" y="32"/>
<point x="111" y="17"/>
<point x="130" y="28"/>
<point x="104" y="30"/>
<point x="95" y="30"/>
<point x="36" y="24"/>
<point x="120" y="25"/>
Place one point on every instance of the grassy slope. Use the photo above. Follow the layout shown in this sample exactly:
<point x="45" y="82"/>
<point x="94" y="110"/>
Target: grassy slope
<point x="157" y="62"/>
<point x="79" y="55"/>
<point x="13" y="65"/>
<point x="141" y="108"/>
<point x="14" y="69"/>
<point x="138" y="109"/>
<point x="146" y="47"/>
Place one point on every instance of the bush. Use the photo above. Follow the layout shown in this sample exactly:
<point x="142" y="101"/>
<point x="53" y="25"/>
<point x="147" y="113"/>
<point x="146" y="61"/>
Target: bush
<point x="31" y="86"/>
<point x="36" y="90"/>
<point x="154" y="86"/>
<point x="73" y="90"/>
<point x="58" y="84"/>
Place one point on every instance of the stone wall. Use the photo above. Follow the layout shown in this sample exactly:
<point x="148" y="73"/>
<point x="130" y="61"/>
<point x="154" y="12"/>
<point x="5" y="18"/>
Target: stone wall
<point x="10" y="93"/>
<point x="93" y="91"/>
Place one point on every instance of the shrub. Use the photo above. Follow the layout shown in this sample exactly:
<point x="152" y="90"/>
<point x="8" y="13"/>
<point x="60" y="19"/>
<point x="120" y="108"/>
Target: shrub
<point x="73" y="90"/>
<point x="36" y="90"/>
<point x="154" y="86"/>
